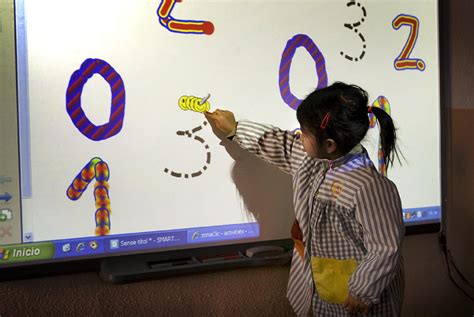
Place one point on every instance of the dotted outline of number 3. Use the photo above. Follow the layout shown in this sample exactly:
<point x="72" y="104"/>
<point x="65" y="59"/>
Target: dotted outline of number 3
<point x="353" y="26"/>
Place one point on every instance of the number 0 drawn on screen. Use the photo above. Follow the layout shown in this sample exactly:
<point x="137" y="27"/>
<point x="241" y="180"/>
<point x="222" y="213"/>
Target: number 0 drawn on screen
<point x="76" y="84"/>
<point x="382" y="103"/>
<point x="98" y="169"/>
<point x="190" y="134"/>
<point x="181" y="26"/>
<point x="403" y="61"/>
<point x="285" y="65"/>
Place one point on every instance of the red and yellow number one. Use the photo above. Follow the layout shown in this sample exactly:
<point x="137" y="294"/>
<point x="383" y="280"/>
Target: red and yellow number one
<point x="98" y="169"/>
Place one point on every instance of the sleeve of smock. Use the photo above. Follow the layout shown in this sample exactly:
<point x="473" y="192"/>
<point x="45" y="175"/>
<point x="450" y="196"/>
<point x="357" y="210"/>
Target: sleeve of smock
<point x="280" y="148"/>
<point x="379" y="210"/>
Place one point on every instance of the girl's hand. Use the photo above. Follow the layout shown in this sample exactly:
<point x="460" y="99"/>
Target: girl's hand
<point x="353" y="305"/>
<point x="222" y="120"/>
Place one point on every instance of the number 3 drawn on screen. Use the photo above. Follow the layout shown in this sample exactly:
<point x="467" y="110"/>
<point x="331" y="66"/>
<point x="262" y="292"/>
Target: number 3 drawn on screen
<point x="353" y="27"/>
<point x="403" y="61"/>
<point x="181" y="26"/>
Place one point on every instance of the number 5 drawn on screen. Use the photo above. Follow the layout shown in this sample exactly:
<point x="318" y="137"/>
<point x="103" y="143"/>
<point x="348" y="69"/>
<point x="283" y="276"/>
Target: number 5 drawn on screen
<point x="195" y="104"/>
<point x="200" y="140"/>
<point x="181" y="26"/>
<point x="98" y="169"/>
<point x="403" y="61"/>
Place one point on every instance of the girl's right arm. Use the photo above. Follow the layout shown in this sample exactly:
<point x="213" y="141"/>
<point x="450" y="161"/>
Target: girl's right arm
<point x="280" y="148"/>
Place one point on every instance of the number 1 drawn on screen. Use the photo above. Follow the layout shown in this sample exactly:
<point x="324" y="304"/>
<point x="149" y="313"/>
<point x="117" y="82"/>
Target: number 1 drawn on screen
<point x="403" y="61"/>
<point x="181" y="26"/>
<point x="98" y="169"/>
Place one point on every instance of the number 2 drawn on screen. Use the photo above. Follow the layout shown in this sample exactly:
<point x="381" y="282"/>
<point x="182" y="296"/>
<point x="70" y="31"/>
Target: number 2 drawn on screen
<point x="98" y="169"/>
<point x="403" y="61"/>
<point x="181" y="26"/>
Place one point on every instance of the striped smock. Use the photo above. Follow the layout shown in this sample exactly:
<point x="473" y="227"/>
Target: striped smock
<point x="351" y="221"/>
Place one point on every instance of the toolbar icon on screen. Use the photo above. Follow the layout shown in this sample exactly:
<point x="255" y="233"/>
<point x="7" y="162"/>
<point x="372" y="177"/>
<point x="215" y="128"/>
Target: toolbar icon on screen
<point x="4" y="254"/>
<point x="80" y="247"/>
<point x="114" y="244"/>
<point x="5" y="214"/>
<point x="93" y="245"/>
<point x="66" y="247"/>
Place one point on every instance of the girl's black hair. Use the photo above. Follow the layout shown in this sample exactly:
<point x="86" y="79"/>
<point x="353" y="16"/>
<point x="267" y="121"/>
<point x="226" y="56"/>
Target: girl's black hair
<point x="340" y="112"/>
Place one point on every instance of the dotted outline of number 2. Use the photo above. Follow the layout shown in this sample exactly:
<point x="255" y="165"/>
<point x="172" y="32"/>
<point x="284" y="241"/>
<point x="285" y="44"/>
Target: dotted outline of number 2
<point x="353" y="26"/>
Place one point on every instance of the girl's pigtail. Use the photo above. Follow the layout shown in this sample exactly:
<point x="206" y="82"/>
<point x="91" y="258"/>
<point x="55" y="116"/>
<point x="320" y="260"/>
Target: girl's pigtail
<point x="388" y="135"/>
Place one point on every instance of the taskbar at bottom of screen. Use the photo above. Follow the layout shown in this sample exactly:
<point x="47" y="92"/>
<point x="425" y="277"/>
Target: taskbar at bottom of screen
<point x="102" y="245"/>
<point x="422" y="214"/>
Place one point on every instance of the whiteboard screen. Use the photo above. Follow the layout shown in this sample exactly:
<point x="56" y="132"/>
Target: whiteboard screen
<point x="112" y="151"/>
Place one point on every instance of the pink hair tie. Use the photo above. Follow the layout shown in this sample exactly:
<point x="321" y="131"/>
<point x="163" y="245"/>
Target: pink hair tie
<point x="325" y="121"/>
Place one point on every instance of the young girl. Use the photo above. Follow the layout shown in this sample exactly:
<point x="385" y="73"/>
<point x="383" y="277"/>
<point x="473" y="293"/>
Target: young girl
<point x="348" y="215"/>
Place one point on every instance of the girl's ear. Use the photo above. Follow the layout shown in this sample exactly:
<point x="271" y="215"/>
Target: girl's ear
<point x="331" y="146"/>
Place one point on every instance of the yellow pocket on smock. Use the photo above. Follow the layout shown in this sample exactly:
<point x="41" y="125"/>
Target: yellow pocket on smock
<point x="331" y="277"/>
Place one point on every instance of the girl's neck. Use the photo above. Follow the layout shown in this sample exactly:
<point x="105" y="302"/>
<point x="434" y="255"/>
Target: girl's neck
<point x="333" y="156"/>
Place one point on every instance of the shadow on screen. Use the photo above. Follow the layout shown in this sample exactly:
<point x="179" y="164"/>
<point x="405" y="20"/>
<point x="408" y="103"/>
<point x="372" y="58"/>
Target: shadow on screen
<point x="266" y="192"/>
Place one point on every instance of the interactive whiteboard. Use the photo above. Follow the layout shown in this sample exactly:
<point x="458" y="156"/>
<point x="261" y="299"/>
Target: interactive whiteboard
<point x="112" y="141"/>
